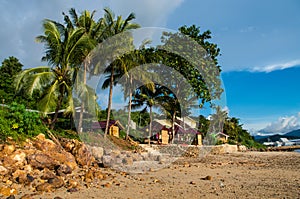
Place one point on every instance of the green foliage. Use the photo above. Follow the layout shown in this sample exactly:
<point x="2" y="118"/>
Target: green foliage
<point x="122" y="134"/>
<point x="66" y="134"/>
<point x="18" y="123"/>
<point x="140" y="118"/>
<point x="9" y="69"/>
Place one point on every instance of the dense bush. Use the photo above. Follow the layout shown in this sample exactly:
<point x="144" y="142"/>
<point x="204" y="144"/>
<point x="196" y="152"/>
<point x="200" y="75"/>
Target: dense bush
<point x="19" y="123"/>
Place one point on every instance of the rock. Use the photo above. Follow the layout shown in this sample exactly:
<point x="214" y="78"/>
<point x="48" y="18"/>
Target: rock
<point x="72" y="184"/>
<point x="89" y="176"/>
<point x="41" y="137"/>
<point x="127" y="161"/>
<point x="20" y="176"/>
<point x="107" y="185"/>
<point x="207" y="178"/>
<point x="30" y="178"/>
<point x="67" y="144"/>
<point x="115" y="153"/>
<point x="107" y="161"/>
<point x="107" y="151"/>
<point x="72" y="190"/>
<point x="193" y="182"/>
<point x="6" y="191"/>
<point x="56" y="182"/>
<point x="8" y="162"/>
<point x="3" y="170"/>
<point x="63" y="170"/>
<point x="99" y="175"/>
<point x="57" y="197"/>
<point x="41" y="161"/>
<point x="44" y="187"/>
<point x="66" y="158"/>
<point x="8" y="149"/>
<point x="82" y="154"/>
<point x="47" y="174"/>
<point x="45" y="145"/>
<point x="97" y="152"/>
<point x="19" y="156"/>
<point x="11" y="197"/>
<point x="242" y="148"/>
<point x="28" y="168"/>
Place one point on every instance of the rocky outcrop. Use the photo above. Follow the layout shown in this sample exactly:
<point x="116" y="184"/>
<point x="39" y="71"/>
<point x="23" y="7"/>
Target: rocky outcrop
<point x="44" y="166"/>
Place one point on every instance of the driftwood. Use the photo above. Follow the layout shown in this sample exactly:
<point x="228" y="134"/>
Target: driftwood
<point x="55" y="140"/>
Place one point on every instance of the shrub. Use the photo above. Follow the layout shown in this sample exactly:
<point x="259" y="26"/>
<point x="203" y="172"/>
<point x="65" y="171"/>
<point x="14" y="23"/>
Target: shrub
<point x="19" y="123"/>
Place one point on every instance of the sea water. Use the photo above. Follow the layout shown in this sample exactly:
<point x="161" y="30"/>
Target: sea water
<point x="297" y="150"/>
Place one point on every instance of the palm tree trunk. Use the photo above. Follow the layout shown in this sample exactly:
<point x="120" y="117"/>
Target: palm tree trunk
<point x="82" y="102"/>
<point x="129" y="109"/>
<point x="109" y="101"/>
<point x="150" y="125"/>
<point x="173" y="126"/>
<point x="59" y="103"/>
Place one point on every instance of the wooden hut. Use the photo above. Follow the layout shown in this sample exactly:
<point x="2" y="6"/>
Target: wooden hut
<point x="114" y="127"/>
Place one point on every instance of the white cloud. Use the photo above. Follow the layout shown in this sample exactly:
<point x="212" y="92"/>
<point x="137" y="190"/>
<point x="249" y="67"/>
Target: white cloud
<point x="277" y="66"/>
<point x="226" y="109"/>
<point x="19" y="27"/>
<point x="282" y="125"/>
<point x="149" y="13"/>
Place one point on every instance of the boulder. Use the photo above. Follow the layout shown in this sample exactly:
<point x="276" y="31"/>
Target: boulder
<point x="8" y="149"/>
<point x="19" y="157"/>
<point x="97" y="152"/>
<point x="42" y="160"/>
<point x="82" y="154"/>
<point x="64" y="157"/>
<point x="63" y="170"/>
<point x="43" y="144"/>
<point x="47" y="174"/>
<point x="242" y="148"/>
<point x="56" y="182"/>
<point x="44" y="187"/>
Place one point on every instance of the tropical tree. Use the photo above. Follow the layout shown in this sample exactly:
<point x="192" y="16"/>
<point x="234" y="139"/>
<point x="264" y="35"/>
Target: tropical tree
<point x="144" y="96"/>
<point x="65" y="50"/>
<point x="191" y="54"/>
<point x="111" y="28"/>
<point x="217" y="120"/>
<point x="92" y="30"/>
<point x="9" y="69"/>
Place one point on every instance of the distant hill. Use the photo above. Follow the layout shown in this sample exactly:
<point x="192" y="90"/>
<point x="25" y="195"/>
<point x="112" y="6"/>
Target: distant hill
<point x="273" y="138"/>
<point x="295" y="133"/>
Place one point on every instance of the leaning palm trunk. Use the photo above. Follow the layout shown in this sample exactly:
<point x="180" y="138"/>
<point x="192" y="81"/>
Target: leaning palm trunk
<point x="150" y="126"/>
<point x="129" y="110"/>
<point x="109" y="101"/>
<point x="59" y="103"/>
<point x="173" y="126"/>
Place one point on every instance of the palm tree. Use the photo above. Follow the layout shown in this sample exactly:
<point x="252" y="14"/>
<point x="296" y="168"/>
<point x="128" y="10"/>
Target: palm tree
<point x="150" y="98"/>
<point x="218" y="119"/>
<point x="113" y="27"/>
<point x="92" y="30"/>
<point x="64" y="52"/>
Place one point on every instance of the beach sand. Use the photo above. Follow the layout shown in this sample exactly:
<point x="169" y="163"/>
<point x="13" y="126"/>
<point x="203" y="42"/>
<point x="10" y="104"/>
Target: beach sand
<point x="235" y="175"/>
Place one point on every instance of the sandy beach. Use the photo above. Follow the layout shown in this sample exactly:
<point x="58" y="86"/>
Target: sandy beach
<point x="235" y="175"/>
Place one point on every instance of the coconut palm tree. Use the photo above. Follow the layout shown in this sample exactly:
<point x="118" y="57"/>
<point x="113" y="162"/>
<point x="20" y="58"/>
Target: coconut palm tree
<point x="92" y="29"/>
<point x="218" y="119"/>
<point x="65" y="50"/>
<point x="144" y="96"/>
<point x="113" y="27"/>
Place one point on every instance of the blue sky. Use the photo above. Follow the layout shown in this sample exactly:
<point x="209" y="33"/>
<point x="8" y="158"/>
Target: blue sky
<point x="259" y="42"/>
